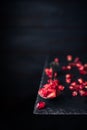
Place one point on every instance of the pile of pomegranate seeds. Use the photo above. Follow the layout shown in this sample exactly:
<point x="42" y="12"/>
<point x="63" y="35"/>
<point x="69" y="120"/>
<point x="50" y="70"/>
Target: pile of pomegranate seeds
<point x="51" y="90"/>
<point x="53" y="87"/>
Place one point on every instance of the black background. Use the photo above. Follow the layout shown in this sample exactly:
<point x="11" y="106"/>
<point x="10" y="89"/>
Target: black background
<point x="30" y="31"/>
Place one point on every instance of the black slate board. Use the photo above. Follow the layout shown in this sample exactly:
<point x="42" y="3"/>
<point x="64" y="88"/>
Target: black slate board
<point x="65" y="104"/>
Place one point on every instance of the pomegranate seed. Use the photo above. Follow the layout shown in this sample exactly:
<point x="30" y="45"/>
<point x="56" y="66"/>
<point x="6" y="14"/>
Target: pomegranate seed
<point x="68" y="80"/>
<point x="68" y="76"/>
<point x="40" y="105"/>
<point x="80" y="86"/>
<point x="49" y="72"/>
<point x="43" y="92"/>
<point x="80" y="80"/>
<point x="71" y="87"/>
<point x="85" y="87"/>
<point x="74" y="93"/>
<point x="55" y="74"/>
<point x="82" y="93"/>
<point x="85" y="64"/>
<point x="69" y="57"/>
<point x="60" y="87"/>
<point x="68" y="67"/>
<point x="78" y="65"/>
<point x="73" y="83"/>
<point x="81" y="67"/>
<point x="56" y="60"/>
<point x="51" y="93"/>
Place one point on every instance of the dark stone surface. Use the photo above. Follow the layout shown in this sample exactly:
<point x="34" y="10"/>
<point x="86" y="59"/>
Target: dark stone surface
<point x="65" y="104"/>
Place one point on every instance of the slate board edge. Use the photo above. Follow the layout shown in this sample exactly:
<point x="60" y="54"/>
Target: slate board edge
<point x="41" y="82"/>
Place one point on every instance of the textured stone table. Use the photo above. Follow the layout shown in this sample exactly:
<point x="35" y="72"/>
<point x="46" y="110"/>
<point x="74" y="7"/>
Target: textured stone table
<point x="65" y="104"/>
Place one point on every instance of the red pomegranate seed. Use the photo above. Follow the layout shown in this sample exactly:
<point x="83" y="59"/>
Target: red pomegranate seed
<point x="68" y="76"/>
<point x="81" y="67"/>
<point x="51" y="93"/>
<point x="80" y="87"/>
<point x="49" y="72"/>
<point x="69" y="57"/>
<point x="68" y="67"/>
<point x="82" y="93"/>
<point x="43" y="92"/>
<point x="40" y="105"/>
<point x="71" y="87"/>
<point x="80" y="80"/>
<point x="85" y="87"/>
<point x="61" y="88"/>
<point x="73" y="83"/>
<point x="78" y="65"/>
<point x="68" y="80"/>
<point x="74" y="93"/>
<point x="85" y="65"/>
<point x="55" y="74"/>
<point x="56" y="60"/>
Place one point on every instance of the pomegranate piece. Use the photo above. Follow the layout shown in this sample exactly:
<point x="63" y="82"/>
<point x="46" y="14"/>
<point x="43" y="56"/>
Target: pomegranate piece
<point x="56" y="60"/>
<point x="68" y="76"/>
<point x="74" y="93"/>
<point x="49" y="72"/>
<point x="40" y="105"/>
<point x="68" y="67"/>
<point x="51" y="93"/>
<point x="43" y="92"/>
<point x="73" y="83"/>
<point x="80" y="80"/>
<point x="81" y="87"/>
<point x="69" y="57"/>
<point x="78" y="65"/>
<point x="51" y="90"/>
<point x="85" y="65"/>
<point x="71" y="87"/>
<point x="68" y="81"/>
<point x="61" y="87"/>
<point x="81" y="67"/>
<point x="82" y="93"/>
